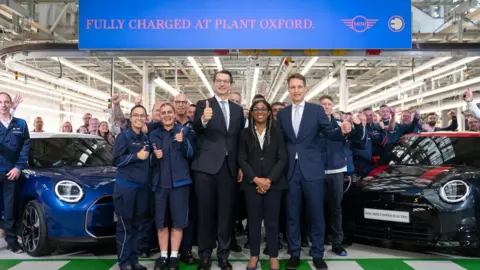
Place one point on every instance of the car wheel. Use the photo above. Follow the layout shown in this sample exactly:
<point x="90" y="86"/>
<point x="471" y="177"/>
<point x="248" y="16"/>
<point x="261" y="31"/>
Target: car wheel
<point x="34" y="230"/>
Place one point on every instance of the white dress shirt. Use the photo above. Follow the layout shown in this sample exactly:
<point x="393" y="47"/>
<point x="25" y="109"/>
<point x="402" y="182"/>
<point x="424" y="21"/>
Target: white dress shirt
<point x="300" y="112"/>
<point x="227" y="109"/>
<point x="261" y="137"/>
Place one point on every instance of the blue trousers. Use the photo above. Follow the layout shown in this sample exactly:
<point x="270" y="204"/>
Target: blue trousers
<point x="131" y="207"/>
<point x="314" y="193"/>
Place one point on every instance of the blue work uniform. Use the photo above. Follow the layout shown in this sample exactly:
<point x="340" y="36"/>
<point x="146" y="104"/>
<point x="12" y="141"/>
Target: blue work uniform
<point x="189" y="231"/>
<point x="171" y="175"/>
<point x="14" y="150"/>
<point x="130" y="197"/>
<point x="392" y="137"/>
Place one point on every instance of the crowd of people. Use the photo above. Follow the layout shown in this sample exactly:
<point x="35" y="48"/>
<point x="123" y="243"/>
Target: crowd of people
<point x="192" y="173"/>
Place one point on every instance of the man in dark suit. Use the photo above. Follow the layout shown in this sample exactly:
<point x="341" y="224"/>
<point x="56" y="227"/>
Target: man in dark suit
<point x="218" y="124"/>
<point x="302" y="123"/>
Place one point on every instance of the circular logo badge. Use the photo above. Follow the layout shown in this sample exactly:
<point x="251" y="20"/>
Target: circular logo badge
<point x="396" y="23"/>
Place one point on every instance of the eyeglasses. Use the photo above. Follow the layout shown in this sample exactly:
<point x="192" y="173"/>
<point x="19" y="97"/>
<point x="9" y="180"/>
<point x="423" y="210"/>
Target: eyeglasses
<point x="260" y="109"/>
<point x="141" y="116"/>
<point x="222" y="81"/>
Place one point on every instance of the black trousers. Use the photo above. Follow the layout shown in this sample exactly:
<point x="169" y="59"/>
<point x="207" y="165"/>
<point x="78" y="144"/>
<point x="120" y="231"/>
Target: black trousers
<point x="215" y="203"/>
<point x="333" y="196"/>
<point x="267" y="207"/>
<point x="10" y="206"/>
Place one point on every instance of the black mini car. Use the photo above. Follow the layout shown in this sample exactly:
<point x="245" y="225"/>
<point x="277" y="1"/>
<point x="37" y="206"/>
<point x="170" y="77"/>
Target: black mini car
<point x="428" y="196"/>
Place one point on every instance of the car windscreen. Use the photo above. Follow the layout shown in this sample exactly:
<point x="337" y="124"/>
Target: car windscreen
<point x="437" y="150"/>
<point x="69" y="152"/>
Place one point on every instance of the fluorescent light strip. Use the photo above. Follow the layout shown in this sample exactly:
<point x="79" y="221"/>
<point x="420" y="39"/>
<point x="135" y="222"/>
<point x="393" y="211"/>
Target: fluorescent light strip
<point x="280" y="83"/>
<point x="425" y="66"/>
<point x="94" y="75"/>
<point x="254" y="83"/>
<point x="366" y="102"/>
<point x="321" y="87"/>
<point x="386" y="94"/>
<point x="17" y="89"/>
<point x="437" y="91"/>
<point x="218" y="63"/>
<point x="165" y="86"/>
<point x="449" y="73"/>
<point x="285" y="95"/>
<point x="49" y="92"/>
<point x="309" y="65"/>
<point x="42" y="109"/>
<point x="61" y="81"/>
<point x="201" y="75"/>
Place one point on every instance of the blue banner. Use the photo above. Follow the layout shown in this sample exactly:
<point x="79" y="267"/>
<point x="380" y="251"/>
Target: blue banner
<point x="244" y="24"/>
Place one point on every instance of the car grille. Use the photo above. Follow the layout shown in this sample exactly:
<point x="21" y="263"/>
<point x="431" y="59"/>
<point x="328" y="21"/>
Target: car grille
<point x="99" y="221"/>
<point x="423" y="228"/>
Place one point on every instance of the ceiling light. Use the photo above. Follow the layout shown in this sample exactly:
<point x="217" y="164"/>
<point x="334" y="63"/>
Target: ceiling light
<point x="324" y="84"/>
<point x="423" y="67"/>
<point x="218" y="63"/>
<point x="309" y="65"/>
<point x="201" y="75"/>
<point x="165" y="86"/>
<point x="94" y="75"/>
<point x="254" y="83"/>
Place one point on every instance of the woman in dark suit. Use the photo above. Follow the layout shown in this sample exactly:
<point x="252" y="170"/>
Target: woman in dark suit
<point x="262" y="157"/>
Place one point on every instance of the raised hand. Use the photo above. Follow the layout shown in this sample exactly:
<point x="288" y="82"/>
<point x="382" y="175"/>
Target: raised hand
<point x="158" y="153"/>
<point x="468" y="95"/>
<point x="143" y="154"/>
<point x="116" y="99"/>
<point x="207" y="112"/>
<point x="16" y="101"/>
<point x="138" y="100"/>
<point x="346" y="127"/>
<point x="179" y="136"/>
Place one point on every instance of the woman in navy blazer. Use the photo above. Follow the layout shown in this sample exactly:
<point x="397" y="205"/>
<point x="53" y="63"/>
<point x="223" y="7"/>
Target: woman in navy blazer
<point x="262" y="157"/>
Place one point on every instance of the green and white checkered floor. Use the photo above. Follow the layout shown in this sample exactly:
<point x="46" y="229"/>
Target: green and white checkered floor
<point x="360" y="257"/>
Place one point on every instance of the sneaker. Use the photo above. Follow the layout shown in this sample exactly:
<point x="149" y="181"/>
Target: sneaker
<point x="339" y="250"/>
<point x="173" y="264"/>
<point x="160" y="263"/>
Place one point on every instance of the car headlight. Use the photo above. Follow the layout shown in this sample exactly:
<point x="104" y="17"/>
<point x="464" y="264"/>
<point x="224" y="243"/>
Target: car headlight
<point x="455" y="191"/>
<point x="68" y="191"/>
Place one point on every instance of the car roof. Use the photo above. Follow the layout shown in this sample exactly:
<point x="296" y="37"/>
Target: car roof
<point x="48" y="135"/>
<point x="458" y="134"/>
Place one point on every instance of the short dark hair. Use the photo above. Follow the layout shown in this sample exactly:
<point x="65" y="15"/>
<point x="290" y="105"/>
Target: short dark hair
<point x="278" y="104"/>
<point x="223" y="71"/>
<point x="258" y="96"/>
<point x="137" y="106"/>
<point x="383" y="106"/>
<point x="432" y="113"/>
<point x="326" y="97"/>
<point x="193" y="105"/>
<point x="367" y="109"/>
<point x="6" y="94"/>
<point x="297" y="76"/>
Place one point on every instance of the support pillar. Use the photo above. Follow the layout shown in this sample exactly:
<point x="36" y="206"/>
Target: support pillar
<point x="145" y="92"/>
<point x="343" y="87"/>
<point x="460" y="119"/>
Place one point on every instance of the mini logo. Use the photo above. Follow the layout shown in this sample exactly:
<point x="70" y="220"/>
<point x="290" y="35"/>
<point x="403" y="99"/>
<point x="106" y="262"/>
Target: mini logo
<point x="396" y="23"/>
<point x="360" y="24"/>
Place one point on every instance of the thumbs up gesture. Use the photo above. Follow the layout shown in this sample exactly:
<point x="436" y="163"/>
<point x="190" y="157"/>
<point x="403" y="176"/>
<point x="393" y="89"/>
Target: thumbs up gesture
<point x="346" y="127"/>
<point x="179" y="136"/>
<point x="158" y="153"/>
<point x="207" y="112"/>
<point x="143" y="154"/>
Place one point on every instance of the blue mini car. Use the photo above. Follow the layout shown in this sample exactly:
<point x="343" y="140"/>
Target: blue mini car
<point x="66" y="198"/>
